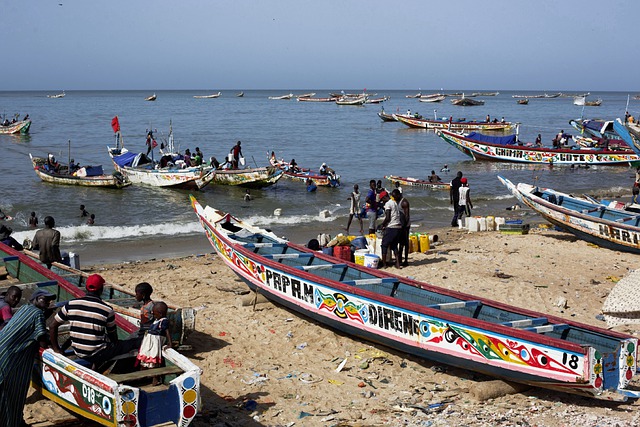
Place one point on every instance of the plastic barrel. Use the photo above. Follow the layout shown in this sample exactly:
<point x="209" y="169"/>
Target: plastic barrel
<point x="414" y="244"/>
<point x="424" y="243"/>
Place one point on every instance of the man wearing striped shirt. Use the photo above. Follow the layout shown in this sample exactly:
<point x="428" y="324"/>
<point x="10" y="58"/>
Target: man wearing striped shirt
<point x="92" y="326"/>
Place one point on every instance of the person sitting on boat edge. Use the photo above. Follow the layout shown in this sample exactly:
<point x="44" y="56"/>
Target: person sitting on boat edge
<point x="92" y="331"/>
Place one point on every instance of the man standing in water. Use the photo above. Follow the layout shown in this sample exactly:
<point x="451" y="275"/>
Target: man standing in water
<point x="454" y="197"/>
<point x="47" y="241"/>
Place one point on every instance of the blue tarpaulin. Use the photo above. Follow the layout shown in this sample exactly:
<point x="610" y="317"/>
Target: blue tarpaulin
<point x="500" y="140"/>
<point x="125" y="159"/>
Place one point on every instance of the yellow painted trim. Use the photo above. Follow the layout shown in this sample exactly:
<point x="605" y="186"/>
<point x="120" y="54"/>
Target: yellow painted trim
<point x="84" y="414"/>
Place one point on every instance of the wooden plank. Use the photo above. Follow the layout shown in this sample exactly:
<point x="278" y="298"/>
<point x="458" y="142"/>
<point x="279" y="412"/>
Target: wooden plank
<point x="454" y="305"/>
<point x="374" y="281"/>
<point x="522" y="323"/>
<point x="147" y="373"/>
<point x="265" y="245"/>
<point x="321" y="266"/>
<point x="548" y="328"/>
<point x="282" y="256"/>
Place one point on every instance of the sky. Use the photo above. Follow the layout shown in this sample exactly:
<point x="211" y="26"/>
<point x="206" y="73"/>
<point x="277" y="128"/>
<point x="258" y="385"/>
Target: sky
<point x="544" y="45"/>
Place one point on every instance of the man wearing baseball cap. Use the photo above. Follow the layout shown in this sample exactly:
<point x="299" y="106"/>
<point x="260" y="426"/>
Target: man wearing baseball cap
<point x="92" y="326"/>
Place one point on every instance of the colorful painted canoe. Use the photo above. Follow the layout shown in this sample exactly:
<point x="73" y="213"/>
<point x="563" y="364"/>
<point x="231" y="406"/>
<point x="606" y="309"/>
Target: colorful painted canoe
<point x="139" y="169"/>
<point x="415" y="182"/>
<point x="506" y="149"/>
<point x="116" y="180"/>
<point x="456" y="125"/>
<point x="470" y="332"/>
<point x="21" y="127"/>
<point x="605" y="224"/>
<point x="123" y="396"/>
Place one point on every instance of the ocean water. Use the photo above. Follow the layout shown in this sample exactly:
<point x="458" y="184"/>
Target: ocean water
<point x="352" y="140"/>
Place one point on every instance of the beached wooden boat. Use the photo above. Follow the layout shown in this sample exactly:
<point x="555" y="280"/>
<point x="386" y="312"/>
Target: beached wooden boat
<point x="507" y="149"/>
<point x="289" y="96"/>
<point x="182" y="320"/>
<point x="151" y="98"/>
<point x="604" y="223"/>
<point x="120" y="396"/>
<point x="439" y="324"/>
<point x="461" y="125"/>
<point x="249" y="178"/>
<point x="524" y="101"/>
<point x="415" y="182"/>
<point x="21" y="127"/>
<point x="57" y="96"/>
<point x="213" y="95"/>
<point x="385" y="117"/>
<point x="93" y="176"/>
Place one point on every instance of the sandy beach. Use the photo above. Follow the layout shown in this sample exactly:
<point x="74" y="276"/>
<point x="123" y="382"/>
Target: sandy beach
<point x="264" y="365"/>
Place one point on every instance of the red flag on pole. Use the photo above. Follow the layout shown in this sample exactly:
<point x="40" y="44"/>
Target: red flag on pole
<point x="115" y="124"/>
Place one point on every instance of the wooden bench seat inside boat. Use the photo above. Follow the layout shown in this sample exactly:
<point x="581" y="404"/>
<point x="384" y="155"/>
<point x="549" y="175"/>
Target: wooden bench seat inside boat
<point x="147" y="373"/>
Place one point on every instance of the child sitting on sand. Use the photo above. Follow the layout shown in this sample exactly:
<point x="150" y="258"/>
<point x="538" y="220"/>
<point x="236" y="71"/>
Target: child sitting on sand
<point x="143" y="294"/>
<point x="155" y="340"/>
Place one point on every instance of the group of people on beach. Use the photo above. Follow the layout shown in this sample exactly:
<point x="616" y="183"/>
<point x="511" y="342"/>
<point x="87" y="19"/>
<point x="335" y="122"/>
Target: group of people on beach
<point x="394" y="208"/>
<point x="93" y="338"/>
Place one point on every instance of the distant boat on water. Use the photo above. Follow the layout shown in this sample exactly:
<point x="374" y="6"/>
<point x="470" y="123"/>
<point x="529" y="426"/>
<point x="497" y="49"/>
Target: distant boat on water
<point x="151" y="98"/>
<point x="59" y="95"/>
<point x="213" y="95"/>
<point x="240" y="94"/>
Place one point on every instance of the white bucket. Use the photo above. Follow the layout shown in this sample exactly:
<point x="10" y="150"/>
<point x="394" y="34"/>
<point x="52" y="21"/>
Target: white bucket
<point x="482" y="221"/>
<point x="499" y="222"/>
<point x="359" y="255"/>
<point x="371" y="260"/>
